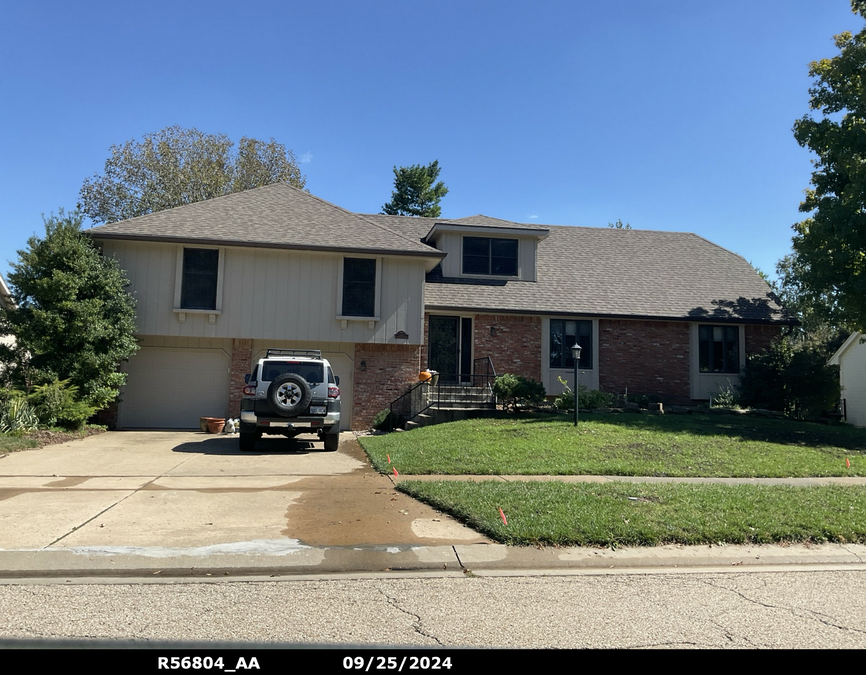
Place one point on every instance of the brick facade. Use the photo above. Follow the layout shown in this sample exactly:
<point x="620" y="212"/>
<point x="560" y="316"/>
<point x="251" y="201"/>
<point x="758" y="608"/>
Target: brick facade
<point x="758" y="338"/>
<point x="382" y="373"/>
<point x="513" y="342"/>
<point x="646" y="357"/>
<point x="241" y="365"/>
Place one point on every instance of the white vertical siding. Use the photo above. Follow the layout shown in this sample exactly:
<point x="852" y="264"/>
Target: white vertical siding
<point x="272" y="294"/>
<point x="452" y="244"/>
<point x="852" y="376"/>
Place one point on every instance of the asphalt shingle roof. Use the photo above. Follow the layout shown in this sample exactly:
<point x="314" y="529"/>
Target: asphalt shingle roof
<point x="580" y="270"/>
<point x="610" y="272"/>
<point x="276" y="215"/>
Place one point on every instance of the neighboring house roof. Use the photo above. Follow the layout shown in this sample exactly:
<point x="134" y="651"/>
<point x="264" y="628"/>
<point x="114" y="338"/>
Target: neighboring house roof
<point x="593" y="271"/>
<point x="6" y="301"/>
<point x="854" y="338"/>
<point x="274" y="216"/>
<point x="487" y="221"/>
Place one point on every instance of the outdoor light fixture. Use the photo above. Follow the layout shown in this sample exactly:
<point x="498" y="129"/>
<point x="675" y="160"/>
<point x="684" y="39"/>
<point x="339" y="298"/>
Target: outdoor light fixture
<point x="575" y="354"/>
<point x="363" y="366"/>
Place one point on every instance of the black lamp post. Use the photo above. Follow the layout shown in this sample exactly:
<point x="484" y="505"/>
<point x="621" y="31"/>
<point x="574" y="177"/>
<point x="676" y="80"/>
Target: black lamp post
<point x="575" y="354"/>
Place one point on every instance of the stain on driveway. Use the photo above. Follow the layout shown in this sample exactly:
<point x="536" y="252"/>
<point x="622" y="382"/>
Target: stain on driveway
<point x="364" y="508"/>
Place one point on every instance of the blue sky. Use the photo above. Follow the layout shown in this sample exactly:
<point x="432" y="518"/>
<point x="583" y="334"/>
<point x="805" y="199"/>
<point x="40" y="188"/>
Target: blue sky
<point x="669" y="115"/>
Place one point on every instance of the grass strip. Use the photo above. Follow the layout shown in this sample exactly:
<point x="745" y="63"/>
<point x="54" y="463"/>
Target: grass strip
<point x="628" y="514"/>
<point x="625" y="445"/>
<point x="11" y="443"/>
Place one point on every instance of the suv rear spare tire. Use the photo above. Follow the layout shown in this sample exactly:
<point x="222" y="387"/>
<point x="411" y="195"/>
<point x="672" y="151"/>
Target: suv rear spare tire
<point x="289" y="395"/>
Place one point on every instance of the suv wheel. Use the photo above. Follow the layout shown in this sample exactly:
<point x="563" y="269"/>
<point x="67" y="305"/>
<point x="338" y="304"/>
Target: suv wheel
<point x="332" y="441"/>
<point x="289" y="395"/>
<point x="248" y="437"/>
<point x="247" y="442"/>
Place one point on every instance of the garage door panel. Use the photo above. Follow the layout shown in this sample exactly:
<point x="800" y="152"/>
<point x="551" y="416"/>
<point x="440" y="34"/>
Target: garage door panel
<point x="173" y="388"/>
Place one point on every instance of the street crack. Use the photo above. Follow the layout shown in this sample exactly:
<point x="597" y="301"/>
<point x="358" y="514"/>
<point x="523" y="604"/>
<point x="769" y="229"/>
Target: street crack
<point x="416" y="624"/>
<point x="803" y="614"/>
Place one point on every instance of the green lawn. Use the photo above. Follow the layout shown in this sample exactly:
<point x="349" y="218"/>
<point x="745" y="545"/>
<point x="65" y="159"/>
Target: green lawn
<point x="624" y="514"/>
<point x="625" y="445"/>
<point x="10" y="443"/>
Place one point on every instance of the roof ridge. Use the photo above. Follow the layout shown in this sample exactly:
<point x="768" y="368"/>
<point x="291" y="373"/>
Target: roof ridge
<point x="201" y="201"/>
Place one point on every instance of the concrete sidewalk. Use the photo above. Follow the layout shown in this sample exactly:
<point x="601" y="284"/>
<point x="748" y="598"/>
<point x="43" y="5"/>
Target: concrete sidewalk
<point x="150" y="504"/>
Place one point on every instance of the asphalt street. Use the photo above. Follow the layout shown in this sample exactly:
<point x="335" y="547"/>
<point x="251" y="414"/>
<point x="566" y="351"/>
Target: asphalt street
<point x="821" y="609"/>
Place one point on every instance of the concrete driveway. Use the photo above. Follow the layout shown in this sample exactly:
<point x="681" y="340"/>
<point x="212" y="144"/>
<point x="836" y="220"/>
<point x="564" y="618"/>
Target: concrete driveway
<point x="159" y="490"/>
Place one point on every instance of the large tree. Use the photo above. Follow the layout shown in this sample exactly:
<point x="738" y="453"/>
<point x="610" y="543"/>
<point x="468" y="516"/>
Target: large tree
<point x="416" y="192"/>
<point x="74" y="316"/>
<point x="178" y="166"/>
<point x="829" y="261"/>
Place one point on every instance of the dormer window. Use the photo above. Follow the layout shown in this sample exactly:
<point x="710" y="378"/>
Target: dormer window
<point x="490" y="256"/>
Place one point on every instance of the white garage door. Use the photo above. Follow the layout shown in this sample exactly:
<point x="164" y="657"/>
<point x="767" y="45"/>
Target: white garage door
<point x="173" y="388"/>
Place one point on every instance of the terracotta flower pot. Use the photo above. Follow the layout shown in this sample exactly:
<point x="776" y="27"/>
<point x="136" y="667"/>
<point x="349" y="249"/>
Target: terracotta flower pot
<point x="202" y="423"/>
<point x="215" y="425"/>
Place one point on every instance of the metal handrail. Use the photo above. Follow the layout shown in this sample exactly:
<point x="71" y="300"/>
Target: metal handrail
<point x="422" y="396"/>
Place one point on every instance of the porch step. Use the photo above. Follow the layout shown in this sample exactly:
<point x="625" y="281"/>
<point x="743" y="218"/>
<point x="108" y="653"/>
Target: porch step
<point x="463" y="405"/>
<point x="441" y="415"/>
<point x="421" y="420"/>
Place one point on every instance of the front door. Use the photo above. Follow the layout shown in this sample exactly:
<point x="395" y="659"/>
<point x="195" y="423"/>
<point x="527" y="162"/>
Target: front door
<point x="449" y="347"/>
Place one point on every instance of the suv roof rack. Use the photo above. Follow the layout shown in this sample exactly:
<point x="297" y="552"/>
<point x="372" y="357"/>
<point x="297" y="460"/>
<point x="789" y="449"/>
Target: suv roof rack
<point x="313" y="353"/>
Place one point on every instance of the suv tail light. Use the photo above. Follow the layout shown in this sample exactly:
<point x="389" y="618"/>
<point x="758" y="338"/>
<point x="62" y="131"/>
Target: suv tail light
<point x="333" y="392"/>
<point x="249" y="391"/>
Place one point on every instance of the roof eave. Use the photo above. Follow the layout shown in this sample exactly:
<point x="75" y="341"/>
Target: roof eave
<point x="538" y="233"/>
<point x="432" y="253"/>
<point x="636" y="317"/>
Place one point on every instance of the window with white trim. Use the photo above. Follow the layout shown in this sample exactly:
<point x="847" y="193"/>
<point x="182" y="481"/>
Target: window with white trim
<point x="719" y="349"/>
<point x="359" y="287"/>
<point x="564" y="334"/>
<point x="493" y="257"/>
<point x="200" y="278"/>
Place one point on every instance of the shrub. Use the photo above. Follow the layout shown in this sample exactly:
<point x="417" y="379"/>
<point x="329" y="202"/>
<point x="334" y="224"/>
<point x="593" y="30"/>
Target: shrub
<point x="57" y="404"/>
<point x="587" y="398"/>
<point x="516" y="390"/>
<point x="726" y="398"/>
<point x="798" y="382"/>
<point x="17" y="415"/>
<point x="385" y="420"/>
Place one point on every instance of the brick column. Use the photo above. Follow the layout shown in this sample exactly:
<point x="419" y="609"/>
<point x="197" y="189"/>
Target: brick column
<point x="382" y="373"/>
<point x="241" y="365"/>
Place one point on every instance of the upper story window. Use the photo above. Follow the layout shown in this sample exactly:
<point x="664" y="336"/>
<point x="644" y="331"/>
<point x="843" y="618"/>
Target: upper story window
<point x="563" y="335"/>
<point x="359" y="287"/>
<point x="200" y="277"/>
<point x="493" y="257"/>
<point x="719" y="349"/>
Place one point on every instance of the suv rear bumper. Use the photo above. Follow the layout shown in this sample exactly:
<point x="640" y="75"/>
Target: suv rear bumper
<point x="315" y="423"/>
<point x="312" y="422"/>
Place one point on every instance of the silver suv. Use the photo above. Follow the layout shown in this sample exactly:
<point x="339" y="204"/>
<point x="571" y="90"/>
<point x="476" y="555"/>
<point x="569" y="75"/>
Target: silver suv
<point x="291" y="392"/>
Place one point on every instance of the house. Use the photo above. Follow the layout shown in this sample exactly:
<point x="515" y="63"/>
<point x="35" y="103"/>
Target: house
<point x="6" y="302"/>
<point x="5" y="295"/>
<point x="665" y="314"/>
<point x="851" y="359"/>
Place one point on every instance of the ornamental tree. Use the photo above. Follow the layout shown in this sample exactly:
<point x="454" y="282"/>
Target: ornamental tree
<point x="74" y="316"/>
